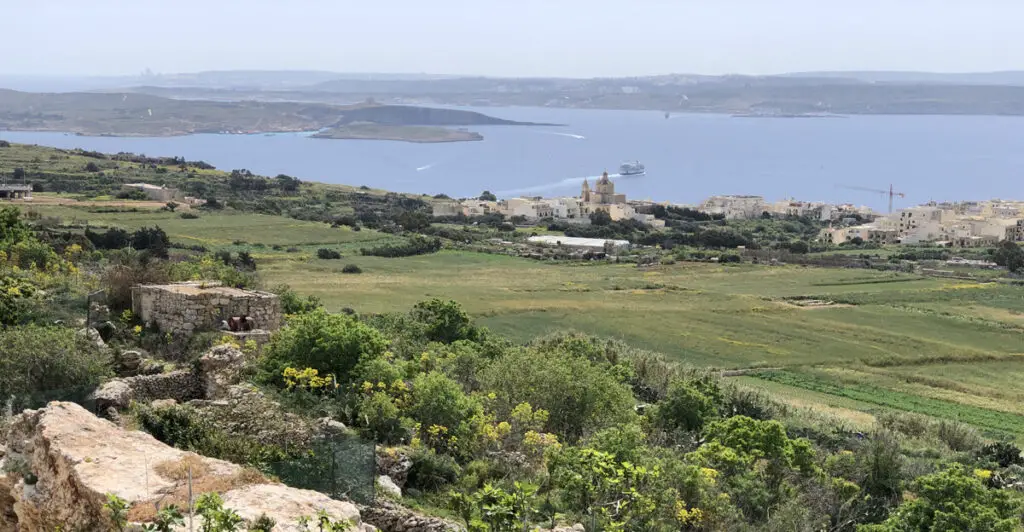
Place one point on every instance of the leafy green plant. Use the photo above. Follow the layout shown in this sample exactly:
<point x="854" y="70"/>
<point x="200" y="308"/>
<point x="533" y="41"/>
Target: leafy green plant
<point x="263" y="523"/>
<point x="324" y="523"/>
<point x="216" y="518"/>
<point x="166" y="520"/>
<point x="118" y="510"/>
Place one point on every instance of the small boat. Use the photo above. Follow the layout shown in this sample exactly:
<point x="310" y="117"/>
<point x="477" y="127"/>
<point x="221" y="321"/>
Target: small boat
<point x="634" y="168"/>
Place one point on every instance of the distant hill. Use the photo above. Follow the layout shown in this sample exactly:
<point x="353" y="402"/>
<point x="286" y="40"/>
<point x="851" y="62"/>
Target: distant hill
<point x="138" y="114"/>
<point x="405" y="115"/>
<point x="1010" y="77"/>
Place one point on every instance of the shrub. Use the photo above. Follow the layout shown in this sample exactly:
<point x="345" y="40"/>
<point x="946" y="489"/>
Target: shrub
<point x="328" y="254"/>
<point x="293" y="303"/>
<point x="127" y="269"/>
<point x="332" y="344"/>
<point x="351" y="268"/>
<point x="417" y="245"/>
<point x="445" y="414"/>
<point x="188" y="216"/>
<point x="684" y="408"/>
<point x="445" y="321"/>
<point x="431" y="471"/>
<point x="381" y="419"/>
<point x="182" y="426"/>
<point x="952" y="500"/>
<point x="45" y="363"/>
<point x="580" y="396"/>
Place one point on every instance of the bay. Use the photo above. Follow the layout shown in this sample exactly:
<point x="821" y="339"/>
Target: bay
<point x="688" y="156"/>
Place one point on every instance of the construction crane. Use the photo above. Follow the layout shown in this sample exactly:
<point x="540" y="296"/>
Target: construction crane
<point x="891" y="193"/>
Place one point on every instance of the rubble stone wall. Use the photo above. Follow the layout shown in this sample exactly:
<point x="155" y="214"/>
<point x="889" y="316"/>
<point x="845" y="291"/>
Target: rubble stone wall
<point x="193" y="307"/>
<point x="182" y="386"/>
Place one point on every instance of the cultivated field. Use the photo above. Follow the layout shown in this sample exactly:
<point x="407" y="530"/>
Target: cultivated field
<point x="888" y="342"/>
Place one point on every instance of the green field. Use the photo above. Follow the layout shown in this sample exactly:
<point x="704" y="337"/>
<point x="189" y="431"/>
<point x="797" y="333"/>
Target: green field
<point x="890" y="342"/>
<point x="899" y="342"/>
<point x="222" y="229"/>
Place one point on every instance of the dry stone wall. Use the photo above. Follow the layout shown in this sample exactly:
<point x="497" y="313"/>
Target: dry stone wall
<point x="194" y="306"/>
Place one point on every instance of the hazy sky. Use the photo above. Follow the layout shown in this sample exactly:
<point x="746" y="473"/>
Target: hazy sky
<point x="510" y="37"/>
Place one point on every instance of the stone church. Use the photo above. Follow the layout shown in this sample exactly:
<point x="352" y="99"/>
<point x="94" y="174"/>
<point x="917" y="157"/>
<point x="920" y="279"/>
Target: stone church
<point x="602" y="194"/>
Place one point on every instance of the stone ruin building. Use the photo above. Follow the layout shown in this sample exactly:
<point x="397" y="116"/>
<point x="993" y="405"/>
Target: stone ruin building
<point x="190" y="307"/>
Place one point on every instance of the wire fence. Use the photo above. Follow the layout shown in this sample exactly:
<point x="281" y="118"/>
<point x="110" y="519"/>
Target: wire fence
<point x="342" y="466"/>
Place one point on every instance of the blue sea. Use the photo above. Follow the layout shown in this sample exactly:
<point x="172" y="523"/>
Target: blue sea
<point x="688" y="156"/>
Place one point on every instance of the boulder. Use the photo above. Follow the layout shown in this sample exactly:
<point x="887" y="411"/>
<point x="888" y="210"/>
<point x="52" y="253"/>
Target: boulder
<point x="388" y="486"/>
<point x="395" y="464"/>
<point x="330" y="427"/>
<point x="130" y="360"/>
<point x="115" y="393"/>
<point x="61" y="462"/>
<point x="91" y="335"/>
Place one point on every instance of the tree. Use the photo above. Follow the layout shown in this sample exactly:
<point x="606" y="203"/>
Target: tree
<point x="91" y="167"/>
<point x="600" y="218"/>
<point x="488" y="196"/>
<point x="800" y="247"/>
<point x="445" y="320"/>
<point x="287" y="183"/>
<point x="171" y="206"/>
<point x="1009" y="255"/>
<point x="952" y="500"/>
<point x="684" y="408"/>
<point x="19" y="173"/>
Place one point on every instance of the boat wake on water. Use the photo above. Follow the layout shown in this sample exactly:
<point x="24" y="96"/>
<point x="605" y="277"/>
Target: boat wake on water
<point x="570" y="135"/>
<point x="564" y="183"/>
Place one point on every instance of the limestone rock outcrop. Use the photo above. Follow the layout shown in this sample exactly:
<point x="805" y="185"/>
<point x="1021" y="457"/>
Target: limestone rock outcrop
<point x="61" y="461"/>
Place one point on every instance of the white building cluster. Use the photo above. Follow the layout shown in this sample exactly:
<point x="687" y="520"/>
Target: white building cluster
<point x="573" y="209"/>
<point x="966" y="224"/>
<point x="748" y="207"/>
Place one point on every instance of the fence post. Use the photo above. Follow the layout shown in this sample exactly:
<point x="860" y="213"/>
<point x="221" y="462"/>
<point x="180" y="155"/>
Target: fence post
<point x="190" y="516"/>
<point x="334" y="483"/>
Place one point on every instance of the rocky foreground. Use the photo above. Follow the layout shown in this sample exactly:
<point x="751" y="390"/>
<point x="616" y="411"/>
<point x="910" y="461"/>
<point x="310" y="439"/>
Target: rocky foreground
<point x="61" y="462"/>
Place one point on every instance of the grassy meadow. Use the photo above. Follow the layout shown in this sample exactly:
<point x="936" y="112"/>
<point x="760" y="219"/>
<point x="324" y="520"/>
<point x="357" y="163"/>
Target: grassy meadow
<point x="890" y="342"/>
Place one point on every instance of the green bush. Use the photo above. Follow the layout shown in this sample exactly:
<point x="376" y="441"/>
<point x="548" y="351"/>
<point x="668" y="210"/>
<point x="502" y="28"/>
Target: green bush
<point x="953" y="500"/>
<point x="445" y="321"/>
<point x="431" y="471"/>
<point x="580" y="396"/>
<point x="381" y="419"/>
<point x="439" y="403"/>
<point x="333" y="344"/>
<point x="44" y="361"/>
<point x="328" y="254"/>
<point x="685" y="408"/>
<point x="351" y="268"/>
<point x="293" y="303"/>
<point x="182" y="426"/>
